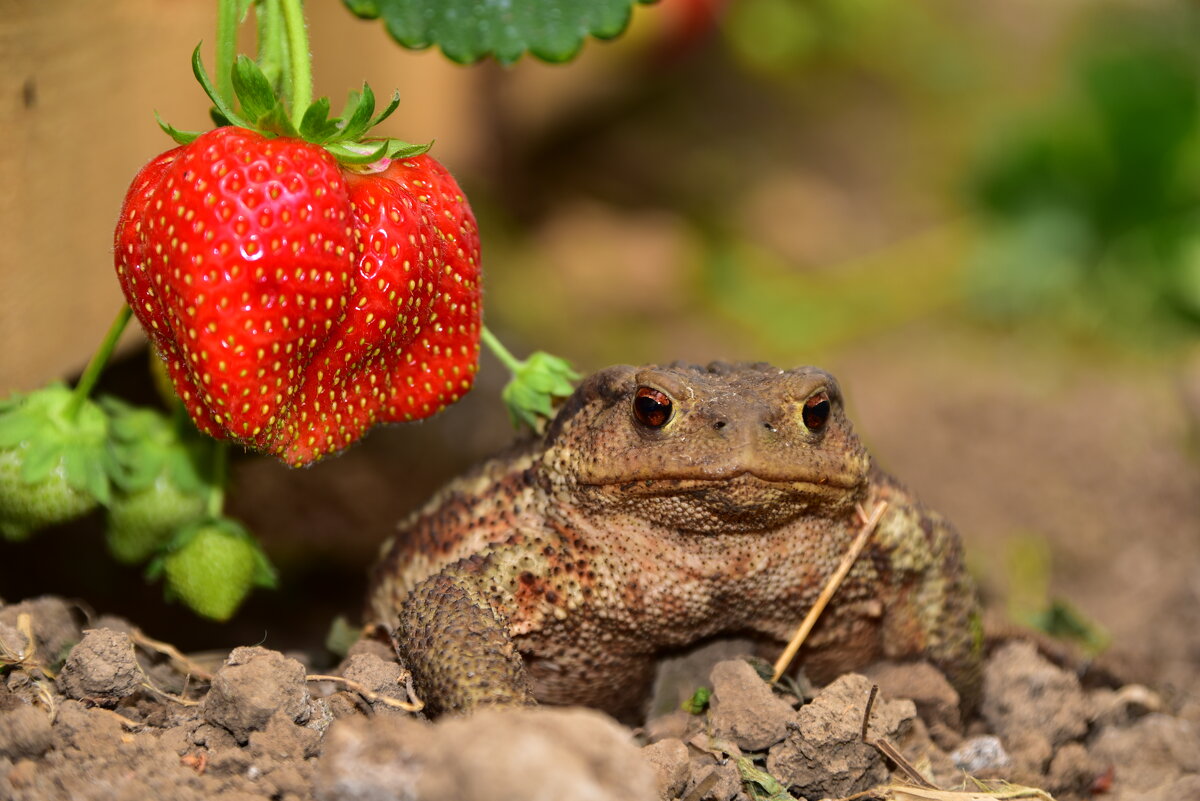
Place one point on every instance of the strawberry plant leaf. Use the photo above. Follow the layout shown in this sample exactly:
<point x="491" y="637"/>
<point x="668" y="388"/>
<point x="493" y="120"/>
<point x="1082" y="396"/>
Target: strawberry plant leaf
<point x="468" y="30"/>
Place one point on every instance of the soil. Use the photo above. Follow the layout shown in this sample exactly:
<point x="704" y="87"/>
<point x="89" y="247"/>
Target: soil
<point x="126" y="717"/>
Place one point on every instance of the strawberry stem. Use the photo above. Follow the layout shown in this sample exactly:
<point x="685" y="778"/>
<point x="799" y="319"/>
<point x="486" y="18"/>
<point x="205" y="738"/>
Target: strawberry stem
<point x="298" y="86"/>
<point x="272" y="47"/>
<point x="500" y="352"/>
<point x="220" y="471"/>
<point x="91" y="373"/>
<point x="227" y="25"/>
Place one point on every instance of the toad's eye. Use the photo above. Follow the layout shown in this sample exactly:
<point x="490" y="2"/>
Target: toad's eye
<point x="651" y="407"/>
<point x="816" y="411"/>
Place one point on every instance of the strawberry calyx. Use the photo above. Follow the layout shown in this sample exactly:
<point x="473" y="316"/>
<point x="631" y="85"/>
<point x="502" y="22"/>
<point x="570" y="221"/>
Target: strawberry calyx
<point x="264" y="111"/>
<point x="537" y="383"/>
<point x="145" y="445"/>
<point x="58" y="433"/>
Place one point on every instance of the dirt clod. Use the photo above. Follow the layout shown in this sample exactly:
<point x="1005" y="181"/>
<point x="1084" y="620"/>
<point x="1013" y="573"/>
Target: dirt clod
<point x="53" y="623"/>
<point x="1025" y="693"/>
<point x="101" y="668"/>
<point x="24" y="732"/>
<point x="493" y="755"/>
<point x="745" y="710"/>
<point x="937" y="702"/>
<point x="669" y="760"/>
<point x="253" y="683"/>
<point x="824" y="755"/>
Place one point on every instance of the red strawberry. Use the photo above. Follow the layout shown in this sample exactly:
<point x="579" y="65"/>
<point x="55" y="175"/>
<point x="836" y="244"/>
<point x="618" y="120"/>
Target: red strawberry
<point x="297" y="303"/>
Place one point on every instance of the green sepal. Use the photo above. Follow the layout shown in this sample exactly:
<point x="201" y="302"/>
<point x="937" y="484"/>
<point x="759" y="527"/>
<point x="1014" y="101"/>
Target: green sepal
<point x="52" y="430"/>
<point x="352" y="155"/>
<point x="39" y="459"/>
<point x="358" y="154"/>
<point x="181" y="137"/>
<point x="219" y="104"/>
<point x="145" y="444"/>
<point x="252" y="88"/>
<point x="316" y="125"/>
<point x="529" y="396"/>
<point x="258" y="99"/>
<point x="387" y="112"/>
<point x="357" y="114"/>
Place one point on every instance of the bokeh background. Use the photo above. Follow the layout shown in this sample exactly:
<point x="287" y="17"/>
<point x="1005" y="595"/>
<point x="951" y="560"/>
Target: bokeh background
<point x="983" y="217"/>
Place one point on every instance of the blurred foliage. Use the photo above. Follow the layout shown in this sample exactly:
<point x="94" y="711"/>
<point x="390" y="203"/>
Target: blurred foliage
<point x="1093" y="208"/>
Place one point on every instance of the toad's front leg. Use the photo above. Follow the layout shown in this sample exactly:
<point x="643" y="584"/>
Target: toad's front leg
<point x="458" y="646"/>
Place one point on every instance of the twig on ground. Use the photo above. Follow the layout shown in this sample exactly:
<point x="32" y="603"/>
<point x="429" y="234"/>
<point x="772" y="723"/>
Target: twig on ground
<point x="189" y="666"/>
<point x="890" y="751"/>
<point x="416" y="705"/>
<point x="149" y="685"/>
<point x="831" y="586"/>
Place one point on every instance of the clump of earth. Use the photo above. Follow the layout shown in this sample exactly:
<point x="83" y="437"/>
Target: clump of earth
<point x="93" y="709"/>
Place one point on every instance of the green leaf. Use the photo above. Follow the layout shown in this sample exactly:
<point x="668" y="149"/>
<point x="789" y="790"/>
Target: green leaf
<point x="698" y="702"/>
<point x="468" y="30"/>
<point x="760" y="785"/>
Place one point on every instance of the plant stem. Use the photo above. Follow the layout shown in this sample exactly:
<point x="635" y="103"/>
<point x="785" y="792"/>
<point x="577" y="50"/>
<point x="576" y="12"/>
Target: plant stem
<point x="300" y="75"/>
<point x="227" y="25"/>
<point x="272" y="46"/>
<point x="220" y="472"/>
<point x="95" y="367"/>
<point x="507" y="359"/>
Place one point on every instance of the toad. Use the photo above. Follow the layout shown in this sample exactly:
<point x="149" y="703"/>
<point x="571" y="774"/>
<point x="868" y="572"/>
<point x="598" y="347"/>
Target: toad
<point x="664" y="506"/>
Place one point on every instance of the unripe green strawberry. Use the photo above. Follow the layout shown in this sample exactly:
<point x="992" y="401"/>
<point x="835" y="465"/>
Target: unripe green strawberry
<point x="142" y="522"/>
<point x="52" y="459"/>
<point x="212" y="567"/>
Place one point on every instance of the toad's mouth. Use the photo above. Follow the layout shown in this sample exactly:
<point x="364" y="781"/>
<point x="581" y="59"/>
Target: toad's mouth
<point x="733" y="479"/>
